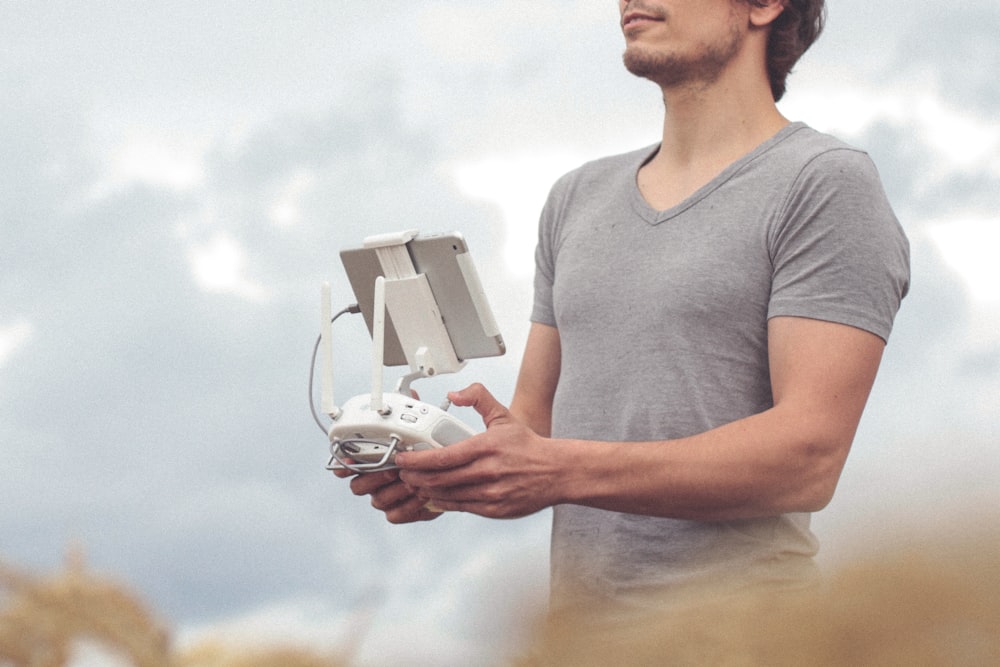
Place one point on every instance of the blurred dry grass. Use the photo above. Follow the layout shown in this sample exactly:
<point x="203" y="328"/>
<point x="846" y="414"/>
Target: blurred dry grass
<point x="928" y="602"/>
<point x="220" y="655"/>
<point x="932" y="602"/>
<point x="44" y="620"/>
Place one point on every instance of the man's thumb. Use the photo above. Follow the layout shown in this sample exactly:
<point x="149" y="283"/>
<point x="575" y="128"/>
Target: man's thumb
<point x="482" y="401"/>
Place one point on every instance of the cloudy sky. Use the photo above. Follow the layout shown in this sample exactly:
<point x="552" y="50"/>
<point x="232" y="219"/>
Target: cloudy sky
<point x="179" y="177"/>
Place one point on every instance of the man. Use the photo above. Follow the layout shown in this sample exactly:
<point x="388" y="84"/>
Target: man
<point x="709" y="317"/>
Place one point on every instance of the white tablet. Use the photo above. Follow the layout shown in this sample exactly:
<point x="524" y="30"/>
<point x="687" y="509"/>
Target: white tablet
<point x="452" y="276"/>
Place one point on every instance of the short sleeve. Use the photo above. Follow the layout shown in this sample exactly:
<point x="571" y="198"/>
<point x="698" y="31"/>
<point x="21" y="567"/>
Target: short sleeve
<point x="838" y="252"/>
<point x="543" y="309"/>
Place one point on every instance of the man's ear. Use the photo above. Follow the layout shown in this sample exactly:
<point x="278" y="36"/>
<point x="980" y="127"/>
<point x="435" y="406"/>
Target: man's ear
<point x="765" y="12"/>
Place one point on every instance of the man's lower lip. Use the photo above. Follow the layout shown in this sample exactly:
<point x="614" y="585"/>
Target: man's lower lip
<point x="639" y="23"/>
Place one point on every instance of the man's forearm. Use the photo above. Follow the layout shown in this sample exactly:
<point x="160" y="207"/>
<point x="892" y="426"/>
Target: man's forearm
<point x="534" y="414"/>
<point x="763" y="465"/>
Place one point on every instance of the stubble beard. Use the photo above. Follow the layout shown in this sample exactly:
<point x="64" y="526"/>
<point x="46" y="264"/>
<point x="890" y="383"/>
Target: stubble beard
<point x="674" y="70"/>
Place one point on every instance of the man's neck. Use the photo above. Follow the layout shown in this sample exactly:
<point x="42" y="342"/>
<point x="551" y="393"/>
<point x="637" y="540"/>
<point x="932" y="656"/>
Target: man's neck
<point x="715" y="122"/>
<point x="705" y="129"/>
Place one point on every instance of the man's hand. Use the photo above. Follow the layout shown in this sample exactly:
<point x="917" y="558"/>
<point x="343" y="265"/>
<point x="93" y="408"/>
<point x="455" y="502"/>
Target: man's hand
<point x="390" y="495"/>
<point x="507" y="472"/>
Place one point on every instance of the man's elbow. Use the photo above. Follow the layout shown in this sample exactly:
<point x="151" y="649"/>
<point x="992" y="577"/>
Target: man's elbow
<point x="817" y="497"/>
<point x="816" y="479"/>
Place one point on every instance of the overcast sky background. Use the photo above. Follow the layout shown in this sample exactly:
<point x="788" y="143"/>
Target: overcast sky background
<point x="177" y="180"/>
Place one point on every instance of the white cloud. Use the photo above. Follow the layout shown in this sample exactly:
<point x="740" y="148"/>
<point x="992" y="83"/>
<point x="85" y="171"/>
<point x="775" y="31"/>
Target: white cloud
<point x="518" y="184"/>
<point x="495" y="33"/>
<point x="170" y="162"/>
<point x="286" y="209"/>
<point x="219" y="266"/>
<point x="968" y="142"/>
<point x="960" y="139"/>
<point x="969" y="246"/>
<point x="13" y="337"/>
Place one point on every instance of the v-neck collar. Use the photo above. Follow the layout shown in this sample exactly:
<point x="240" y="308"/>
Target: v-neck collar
<point x="655" y="217"/>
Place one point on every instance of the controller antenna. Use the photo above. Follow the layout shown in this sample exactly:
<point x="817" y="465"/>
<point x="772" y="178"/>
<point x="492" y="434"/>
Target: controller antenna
<point x="326" y="342"/>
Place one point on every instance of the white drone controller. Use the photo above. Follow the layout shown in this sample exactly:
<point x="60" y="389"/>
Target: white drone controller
<point x="368" y="431"/>
<point x="364" y="440"/>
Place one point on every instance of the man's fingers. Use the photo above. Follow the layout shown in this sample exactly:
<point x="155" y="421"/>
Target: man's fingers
<point x="410" y="511"/>
<point x="480" y="399"/>
<point x="391" y="496"/>
<point x="373" y="481"/>
<point x="443" y="458"/>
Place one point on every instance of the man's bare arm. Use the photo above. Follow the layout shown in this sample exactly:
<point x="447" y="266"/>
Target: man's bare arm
<point x="785" y="459"/>
<point x="537" y="379"/>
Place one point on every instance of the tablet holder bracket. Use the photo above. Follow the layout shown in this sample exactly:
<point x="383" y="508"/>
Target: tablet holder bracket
<point x="366" y="434"/>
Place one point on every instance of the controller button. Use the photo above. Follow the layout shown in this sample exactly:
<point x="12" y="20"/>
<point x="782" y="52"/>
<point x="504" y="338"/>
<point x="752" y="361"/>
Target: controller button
<point x="410" y="419"/>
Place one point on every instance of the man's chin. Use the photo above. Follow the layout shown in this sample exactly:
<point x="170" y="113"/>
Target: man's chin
<point x="670" y="71"/>
<point x="657" y="68"/>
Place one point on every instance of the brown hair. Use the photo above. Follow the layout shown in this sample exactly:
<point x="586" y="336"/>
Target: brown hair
<point x="792" y="33"/>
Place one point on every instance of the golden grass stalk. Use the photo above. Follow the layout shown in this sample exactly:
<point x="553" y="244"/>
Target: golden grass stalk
<point x="44" y="619"/>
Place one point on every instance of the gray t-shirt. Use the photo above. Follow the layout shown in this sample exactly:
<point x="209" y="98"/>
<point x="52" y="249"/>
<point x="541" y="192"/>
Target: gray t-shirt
<point x="662" y="317"/>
